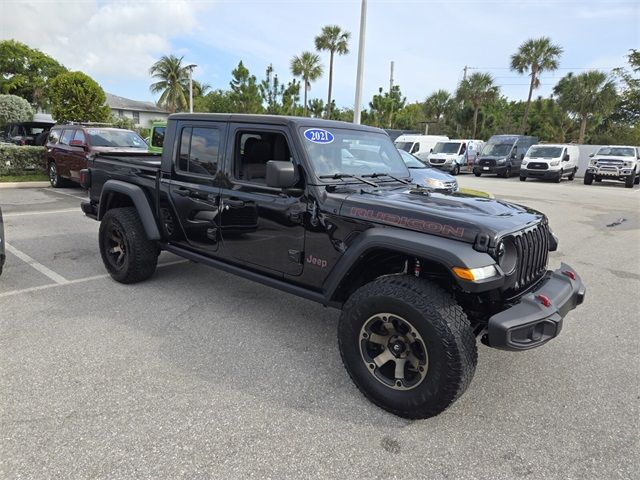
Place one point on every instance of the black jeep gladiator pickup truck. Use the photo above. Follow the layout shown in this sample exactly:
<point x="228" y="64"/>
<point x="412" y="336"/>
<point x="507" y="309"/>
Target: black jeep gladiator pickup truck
<point x="325" y="210"/>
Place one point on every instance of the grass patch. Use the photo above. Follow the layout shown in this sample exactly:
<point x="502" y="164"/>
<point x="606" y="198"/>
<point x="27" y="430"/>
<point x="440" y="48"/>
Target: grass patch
<point x="37" y="177"/>
<point x="476" y="193"/>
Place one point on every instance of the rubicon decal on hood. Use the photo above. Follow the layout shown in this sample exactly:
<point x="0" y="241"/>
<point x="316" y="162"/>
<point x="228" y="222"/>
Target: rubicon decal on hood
<point x="412" y="223"/>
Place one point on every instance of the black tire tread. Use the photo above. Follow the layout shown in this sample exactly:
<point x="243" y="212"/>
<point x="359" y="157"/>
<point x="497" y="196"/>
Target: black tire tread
<point x="143" y="262"/>
<point x="454" y="328"/>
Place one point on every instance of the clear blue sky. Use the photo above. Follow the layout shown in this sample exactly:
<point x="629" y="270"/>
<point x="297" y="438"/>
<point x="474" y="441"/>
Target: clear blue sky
<point x="430" y="41"/>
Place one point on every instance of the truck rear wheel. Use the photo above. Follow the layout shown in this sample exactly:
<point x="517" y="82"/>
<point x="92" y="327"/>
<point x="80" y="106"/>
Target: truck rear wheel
<point x="128" y="255"/>
<point x="407" y="345"/>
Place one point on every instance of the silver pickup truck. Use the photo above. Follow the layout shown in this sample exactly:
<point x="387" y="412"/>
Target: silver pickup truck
<point x="614" y="162"/>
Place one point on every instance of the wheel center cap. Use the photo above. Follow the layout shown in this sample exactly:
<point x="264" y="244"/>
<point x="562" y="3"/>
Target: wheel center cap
<point x="397" y="348"/>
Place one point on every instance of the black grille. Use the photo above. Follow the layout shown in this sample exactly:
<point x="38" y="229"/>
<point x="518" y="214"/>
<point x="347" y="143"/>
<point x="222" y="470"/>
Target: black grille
<point x="538" y="166"/>
<point x="437" y="160"/>
<point x="487" y="163"/>
<point x="532" y="246"/>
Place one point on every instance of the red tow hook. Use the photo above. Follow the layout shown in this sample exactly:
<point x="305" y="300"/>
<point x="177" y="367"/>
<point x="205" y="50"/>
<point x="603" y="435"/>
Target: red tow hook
<point x="544" y="300"/>
<point x="569" y="274"/>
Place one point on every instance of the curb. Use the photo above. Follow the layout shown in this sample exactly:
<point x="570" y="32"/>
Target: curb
<point x="23" y="184"/>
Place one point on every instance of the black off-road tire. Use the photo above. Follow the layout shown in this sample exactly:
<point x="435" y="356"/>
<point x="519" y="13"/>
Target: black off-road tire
<point x="630" y="180"/>
<point x="140" y="255"/>
<point x="637" y="182"/>
<point x="588" y="178"/>
<point x="448" y="339"/>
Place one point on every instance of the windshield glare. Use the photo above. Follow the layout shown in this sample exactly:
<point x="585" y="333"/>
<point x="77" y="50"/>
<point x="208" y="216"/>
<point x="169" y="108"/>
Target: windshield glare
<point x="355" y="152"/>
<point x="411" y="161"/>
<point x="496" y="149"/>
<point x="446" y="147"/>
<point x="545" y="152"/>
<point x="102" y="137"/>
<point x="616" y="152"/>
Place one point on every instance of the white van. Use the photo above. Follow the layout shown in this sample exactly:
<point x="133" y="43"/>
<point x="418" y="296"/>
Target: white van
<point x="455" y="156"/>
<point x="419" y="145"/>
<point x="550" y="162"/>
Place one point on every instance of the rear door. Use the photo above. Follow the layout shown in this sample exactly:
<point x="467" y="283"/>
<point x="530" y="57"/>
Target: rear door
<point x="62" y="152"/>
<point x="196" y="179"/>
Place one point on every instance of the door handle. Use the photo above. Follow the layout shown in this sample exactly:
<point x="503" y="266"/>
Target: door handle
<point x="183" y="192"/>
<point x="234" y="203"/>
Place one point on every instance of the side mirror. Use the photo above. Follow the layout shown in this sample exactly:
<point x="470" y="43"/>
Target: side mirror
<point x="566" y="157"/>
<point x="521" y="156"/>
<point x="281" y="174"/>
<point x="591" y="155"/>
<point x="78" y="143"/>
<point x="431" y="150"/>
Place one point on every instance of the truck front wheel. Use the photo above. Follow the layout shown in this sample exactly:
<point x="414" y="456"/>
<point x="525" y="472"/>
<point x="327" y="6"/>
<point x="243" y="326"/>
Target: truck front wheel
<point x="128" y="255"/>
<point x="407" y="345"/>
<point x="630" y="180"/>
<point x="588" y="178"/>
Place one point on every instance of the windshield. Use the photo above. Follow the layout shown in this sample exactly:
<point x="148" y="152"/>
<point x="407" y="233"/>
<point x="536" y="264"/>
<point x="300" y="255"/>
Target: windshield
<point x="352" y="152"/>
<point x="102" y="137"/>
<point x="406" y="146"/>
<point x="446" y="147"/>
<point x="496" y="149"/>
<point x="411" y="161"/>
<point x="545" y="152"/>
<point x="616" y="152"/>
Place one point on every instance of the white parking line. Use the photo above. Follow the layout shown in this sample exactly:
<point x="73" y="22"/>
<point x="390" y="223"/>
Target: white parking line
<point x="42" y="212"/>
<point x="67" y="194"/>
<point x="74" y="282"/>
<point x="59" y="279"/>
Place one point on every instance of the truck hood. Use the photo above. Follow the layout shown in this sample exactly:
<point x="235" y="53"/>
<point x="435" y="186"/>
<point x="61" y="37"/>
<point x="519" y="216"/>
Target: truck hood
<point x="455" y="215"/>
<point x="613" y="158"/>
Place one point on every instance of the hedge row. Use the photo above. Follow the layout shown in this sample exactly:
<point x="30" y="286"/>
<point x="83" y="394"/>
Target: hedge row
<point x="16" y="160"/>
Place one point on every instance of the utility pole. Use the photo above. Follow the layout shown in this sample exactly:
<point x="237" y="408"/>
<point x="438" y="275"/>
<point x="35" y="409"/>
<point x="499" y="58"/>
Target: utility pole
<point x="464" y="75"/>
<point x="360" y="71"/>
<point x="391" y="78"/>
<point x="191" y="67"/>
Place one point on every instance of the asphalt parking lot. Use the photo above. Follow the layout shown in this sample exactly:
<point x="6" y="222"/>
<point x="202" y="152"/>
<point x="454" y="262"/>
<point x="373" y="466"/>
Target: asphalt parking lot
<point x="200" y="374"/>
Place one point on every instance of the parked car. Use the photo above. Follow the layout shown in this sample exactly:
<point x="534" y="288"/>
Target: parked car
<point x="69" y="146"/>
<point x="455" y="156"/>
<point x="419" y="145"/>
<point x="156" y="136"/>
<point x="425" y="176"/>
<point x="418" y="275"/>
<point x="550" y="162"/>
<point x="26" y="133"/>
<point x="503" y="154"/>
<point x="614" y="162"/>
<point x="3" y="255"/>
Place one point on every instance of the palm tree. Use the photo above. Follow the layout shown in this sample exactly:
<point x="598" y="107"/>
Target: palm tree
<point x="587" y="95"/>
<point x="307" y="66"/>
<point x="173" y="82"/>
<point x="335" y="41"/>
<point x="535" y="55"/>
<point x="437" y="104"/>
<point x="477" y="90"/>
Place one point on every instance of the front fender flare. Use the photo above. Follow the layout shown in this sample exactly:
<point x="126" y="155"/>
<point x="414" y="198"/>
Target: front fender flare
<point x="140" y="201"/>
<point x="445" y="251"/>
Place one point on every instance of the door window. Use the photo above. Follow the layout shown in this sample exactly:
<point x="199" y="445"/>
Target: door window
<point x="80" y="136"/>
<point x="54" y="136"/>
<point x="67" y="135"/>
<point x="199" y="150"/>
<point x="254" y="149"/>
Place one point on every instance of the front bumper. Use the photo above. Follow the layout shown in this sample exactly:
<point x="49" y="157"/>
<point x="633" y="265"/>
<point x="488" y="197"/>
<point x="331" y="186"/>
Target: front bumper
<point x="490" y="168"/>
<point x="537" y="318"/>
<point x="543" y="174"/>
<point x="610" y="172"/>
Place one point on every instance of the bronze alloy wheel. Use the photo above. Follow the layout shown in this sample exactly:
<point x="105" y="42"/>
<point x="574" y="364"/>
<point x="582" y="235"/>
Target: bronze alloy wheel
<point x="394" y="351"/>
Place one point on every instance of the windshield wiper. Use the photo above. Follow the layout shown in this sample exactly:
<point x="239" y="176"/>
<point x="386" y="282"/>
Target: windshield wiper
<point x="339" y="176"/>
<point x="376" y="175"/>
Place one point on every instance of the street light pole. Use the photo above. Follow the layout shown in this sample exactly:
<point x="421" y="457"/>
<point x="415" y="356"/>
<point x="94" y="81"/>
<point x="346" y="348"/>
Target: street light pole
<point x="191" y="67"/>
<point x="360" y="72"/>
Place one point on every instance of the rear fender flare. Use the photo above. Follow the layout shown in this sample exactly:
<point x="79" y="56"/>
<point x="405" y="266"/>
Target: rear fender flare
<point x="139" y="199"/>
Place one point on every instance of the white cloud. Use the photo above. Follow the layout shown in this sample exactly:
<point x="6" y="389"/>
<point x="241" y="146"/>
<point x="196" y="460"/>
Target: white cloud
<point x="117" y="39"/>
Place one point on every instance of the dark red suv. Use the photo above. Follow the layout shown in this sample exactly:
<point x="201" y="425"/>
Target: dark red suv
<point x="68" y="147"/>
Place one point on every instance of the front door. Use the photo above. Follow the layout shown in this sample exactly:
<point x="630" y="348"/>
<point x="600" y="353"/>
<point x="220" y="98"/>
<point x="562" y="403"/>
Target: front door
<point x="262" y="227"/>
<point x="194" y="217"/>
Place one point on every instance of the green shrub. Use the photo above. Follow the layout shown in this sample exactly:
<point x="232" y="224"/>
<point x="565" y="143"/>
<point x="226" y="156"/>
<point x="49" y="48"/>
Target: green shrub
<point x="14" y="109"/>
<point x="16" y="160"/>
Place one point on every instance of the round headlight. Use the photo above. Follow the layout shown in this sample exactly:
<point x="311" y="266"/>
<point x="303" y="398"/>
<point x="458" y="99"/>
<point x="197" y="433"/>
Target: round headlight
<point x="507" y="256"/>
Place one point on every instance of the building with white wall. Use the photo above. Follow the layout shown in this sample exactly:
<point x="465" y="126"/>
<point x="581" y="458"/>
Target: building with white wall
<point x="142" y="113"/>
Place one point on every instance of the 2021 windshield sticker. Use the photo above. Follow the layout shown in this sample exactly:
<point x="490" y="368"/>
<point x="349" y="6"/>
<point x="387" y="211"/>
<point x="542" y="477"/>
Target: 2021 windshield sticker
<point x="318" y="135"/>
